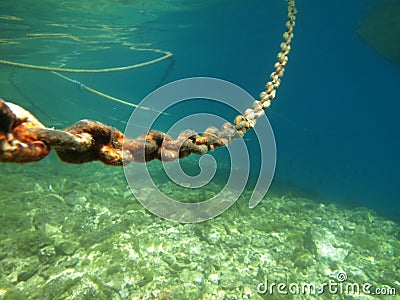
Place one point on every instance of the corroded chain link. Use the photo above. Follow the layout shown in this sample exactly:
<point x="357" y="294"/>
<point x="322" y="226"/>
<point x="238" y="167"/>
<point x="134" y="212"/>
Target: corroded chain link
<point x="24" y="139"/>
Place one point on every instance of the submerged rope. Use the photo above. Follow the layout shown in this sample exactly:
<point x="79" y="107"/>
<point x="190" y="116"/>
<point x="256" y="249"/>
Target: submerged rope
<point x="111" y="98"/>
<point x="98" y="93"/>
<point x="56" y="70"/>
<point x="166" y="55"/>
<point x="24" y="139"/>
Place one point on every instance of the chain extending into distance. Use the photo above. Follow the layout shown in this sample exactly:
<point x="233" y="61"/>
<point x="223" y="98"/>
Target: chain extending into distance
<point x="24" y="139"/>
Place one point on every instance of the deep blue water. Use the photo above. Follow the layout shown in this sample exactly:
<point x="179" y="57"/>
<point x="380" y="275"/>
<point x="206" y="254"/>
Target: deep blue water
<point x="342" y="99"/>
<point x="335" y="115"/>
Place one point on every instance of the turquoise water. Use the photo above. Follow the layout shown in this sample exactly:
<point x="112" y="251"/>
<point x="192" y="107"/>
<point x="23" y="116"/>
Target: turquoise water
<point x="77" y="232"/>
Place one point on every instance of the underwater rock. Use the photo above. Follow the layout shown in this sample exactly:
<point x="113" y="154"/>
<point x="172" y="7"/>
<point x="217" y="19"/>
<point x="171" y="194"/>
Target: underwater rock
<point x="172" y="263"/>
<point x="188" y="291"/>
<point x="2" y="255"/>
<point x="14" y="294"/>
<point x="147" y="276"/>
<point x="229" y="281"/>
<point x="51" y="230"/>
<point x="47" y="254"/>
<point x="323" y="244"/>
<point x="161" y="295"/>
<point x="191" y="276"/>
<point x="69" y="261"/>
<point x="65" y="247"/>
<point x="25" y="275"/>
<point x="61" y="283"/>
<point x="47" y="220"/>
<point x="303" y="261"/>
<point x="215" y="236"/>
<point x="70" y="284"/>
<point x="113" y="269"/>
